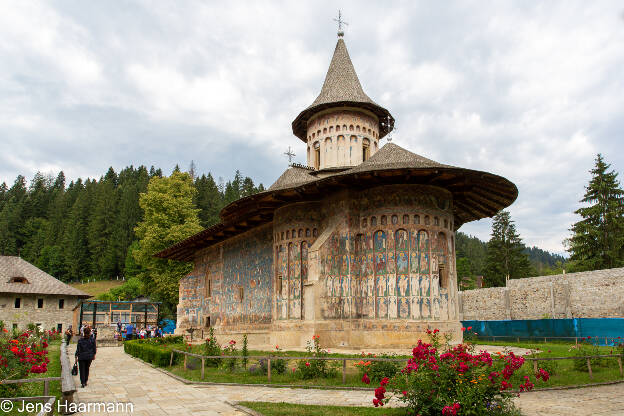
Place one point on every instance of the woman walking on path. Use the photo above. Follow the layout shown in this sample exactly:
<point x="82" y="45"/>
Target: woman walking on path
<point x="85" y="353"/>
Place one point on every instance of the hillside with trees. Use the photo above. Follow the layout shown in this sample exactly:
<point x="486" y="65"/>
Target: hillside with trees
<point x="85" y="230"/>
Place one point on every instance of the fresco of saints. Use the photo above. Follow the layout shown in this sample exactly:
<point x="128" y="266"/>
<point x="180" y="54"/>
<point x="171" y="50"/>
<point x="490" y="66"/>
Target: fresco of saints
<point x="425" y="286"/>
<point x="380" y="241"/>
<point x="392" y="307"/>
<point x="336" y="286"/>
<point x="435" y="285"/>
<point x="370" y="287"/>
<point x="391" y="262"/>
<point x="404" y="285"/>
<point x="381" y="285"/>
<point x="424" y="263"/>
<point x="391" y="285"/>
<point x="402" y="262"/>
<point x="436" y="308"/>
<point x="416" y="308"/>
<point x="380" y="264"/>
<point x="404" y="308"/>
<point x="414" y="286"/>
<point x="382" y="308"/>
<point x="426" y="310"/>
<point x="414" y="261"/>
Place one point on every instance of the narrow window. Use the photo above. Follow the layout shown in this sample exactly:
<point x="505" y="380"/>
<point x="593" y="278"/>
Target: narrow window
<point x="14" y="326"/>
<point x="59" y="328"/>
<point x="365" y="150"/>
<point x="61" y="303"/>
<point x="18" y="303"/>
<point x="364" y="223"/>
<point x="209" y="287"/>
<point x="383" y="220"/>
<point x="241" y="293"/>
<point x="300" y="234"/>
<point x="395" y="220"/>
<point x="426" y="219"/>
<point x="436" y="221"/>
<point x="279" y="284"/>
<point x="373" y="221"/>
<point x="416" y="219"/>
<point x="405" y="219"/>
<point x="307" y="232"/>
<point x="39" y="303"/>
<point x="314" y="233"/>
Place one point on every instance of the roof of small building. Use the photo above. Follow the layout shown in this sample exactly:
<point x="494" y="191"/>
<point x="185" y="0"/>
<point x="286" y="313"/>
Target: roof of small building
<point x="475" y="194"/>
<point x="37" y="281"/>
<point x="342" y="88"/>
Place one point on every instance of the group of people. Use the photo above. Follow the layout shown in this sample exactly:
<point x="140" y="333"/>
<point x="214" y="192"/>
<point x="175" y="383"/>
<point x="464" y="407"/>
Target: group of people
<point x="128" y="331"/>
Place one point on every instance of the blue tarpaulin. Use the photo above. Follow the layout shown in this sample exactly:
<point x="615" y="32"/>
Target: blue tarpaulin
<point x="605" y="331"/>
<point x="168" y="326"/>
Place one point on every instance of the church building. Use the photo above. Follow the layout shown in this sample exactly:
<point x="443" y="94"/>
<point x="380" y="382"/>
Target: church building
<point x="357" y="247"/>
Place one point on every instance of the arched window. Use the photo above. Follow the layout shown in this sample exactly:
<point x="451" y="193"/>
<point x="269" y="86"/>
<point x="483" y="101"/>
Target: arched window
<point x="331" y="129"/>
<point x="364" y="223"/>
<point x="325" y="130"/>
<point x="300" y="234"/>
<point x="314" y="233"/>
<point x="395" y="220"/>
<point x="436" y="221"/>
<point x="307" y="232"/>
<point x="282" y="235"/>
<point x="426" y="219"/>
<point x="351" y="127"/>
<point x="357" y="129"/>
<point x="384" y="221"/>
<point x="373" y="221"/>
<point x="337" y="129"/>
<point x="317" y="155"/>
<point x="365" y="150"/>
<point x="287" y="235"/>
<point x="442" y="260"/>
<point x="405" y="219"/>
<point x="416" y="219"/>
<point x="294" y="233"/>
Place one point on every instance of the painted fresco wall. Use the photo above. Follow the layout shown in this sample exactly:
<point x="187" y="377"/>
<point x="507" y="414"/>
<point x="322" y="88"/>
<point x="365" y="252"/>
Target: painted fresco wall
<point x="230" y="284"/>
<point x="388" y="256"/>
<point x="295" y="229"/>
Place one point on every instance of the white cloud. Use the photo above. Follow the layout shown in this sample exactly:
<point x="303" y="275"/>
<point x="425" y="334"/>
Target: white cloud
<point x="528" y="90"/>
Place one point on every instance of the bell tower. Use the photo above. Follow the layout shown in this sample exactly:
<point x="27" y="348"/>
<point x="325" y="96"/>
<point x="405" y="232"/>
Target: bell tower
<point x="343" y="126"/>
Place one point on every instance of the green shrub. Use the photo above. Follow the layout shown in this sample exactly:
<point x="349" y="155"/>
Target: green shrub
<point x="151" y="352"/>
<point x="212" y="349"/>
<point x="377" y="370"/>
<point x="316" y="368"/>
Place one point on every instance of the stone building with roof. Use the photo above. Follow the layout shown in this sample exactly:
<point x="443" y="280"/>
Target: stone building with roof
<point x="357" y="247"/>
<point x="30" y="295"/>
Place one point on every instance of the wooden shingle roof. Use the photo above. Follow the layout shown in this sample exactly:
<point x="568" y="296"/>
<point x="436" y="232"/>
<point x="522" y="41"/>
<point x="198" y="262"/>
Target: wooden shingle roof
<point x="342" y="88"/>
<point x="37" y="281"/>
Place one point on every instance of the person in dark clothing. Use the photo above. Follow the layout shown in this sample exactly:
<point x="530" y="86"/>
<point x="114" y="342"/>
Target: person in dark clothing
<point x="68" y="335"/>
<point x="85" y="353"/>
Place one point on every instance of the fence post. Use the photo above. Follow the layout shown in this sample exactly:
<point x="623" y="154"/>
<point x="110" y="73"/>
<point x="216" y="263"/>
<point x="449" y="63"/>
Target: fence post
<point x="518" y="339"/>
<point x="185" y="361"/>
<point x="535" y="366"/>
<point x="591" y="376"/>
<point x="203" y="363"/>
<point x="46" y="388"/>
<point x="269" y="369"/>
<point x="620" y="364"/>
<point x="171" y="359"/>
<point x="344" y="371"/>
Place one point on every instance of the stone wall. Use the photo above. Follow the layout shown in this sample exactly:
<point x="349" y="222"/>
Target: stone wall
<point x="49" y="316"/>
<point x="595" y="294"/>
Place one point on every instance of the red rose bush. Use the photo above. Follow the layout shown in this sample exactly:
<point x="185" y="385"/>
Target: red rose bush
<point x="457" y="381"/>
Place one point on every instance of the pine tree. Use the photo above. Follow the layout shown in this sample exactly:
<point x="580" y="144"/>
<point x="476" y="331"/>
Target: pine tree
<point x="597" y="240"/>
<point x="208" y="199"/>
<point x="505" y="252"/>
<point x="169" y="217"/>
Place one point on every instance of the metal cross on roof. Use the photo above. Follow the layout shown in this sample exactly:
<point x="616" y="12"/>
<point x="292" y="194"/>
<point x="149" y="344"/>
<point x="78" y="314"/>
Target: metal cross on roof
<point x="340" y="23"/>
<point x="290" y="155"/>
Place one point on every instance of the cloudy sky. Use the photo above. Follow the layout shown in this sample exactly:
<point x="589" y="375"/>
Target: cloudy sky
<point x="528" y="90"/>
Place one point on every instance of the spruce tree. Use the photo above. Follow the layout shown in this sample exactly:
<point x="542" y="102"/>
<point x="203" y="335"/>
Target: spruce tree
<point x="597" y="240"/>
<point x="505" y="252"/>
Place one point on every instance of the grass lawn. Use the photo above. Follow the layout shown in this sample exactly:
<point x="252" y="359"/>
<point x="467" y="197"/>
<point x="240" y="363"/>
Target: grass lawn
<point x="563" y="372"/>
<point x="287" y="409"/>
<point x="97" y="288"/>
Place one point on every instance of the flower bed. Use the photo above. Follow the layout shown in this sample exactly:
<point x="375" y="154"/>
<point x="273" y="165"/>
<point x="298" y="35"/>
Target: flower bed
<point x="22" y="355"/>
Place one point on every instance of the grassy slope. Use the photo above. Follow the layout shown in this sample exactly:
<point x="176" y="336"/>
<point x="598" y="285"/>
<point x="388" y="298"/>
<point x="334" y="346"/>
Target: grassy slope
<point x="97" y="288"/>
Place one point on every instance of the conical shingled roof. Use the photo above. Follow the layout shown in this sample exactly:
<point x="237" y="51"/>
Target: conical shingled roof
<point x="342" y="88"/>
<point x="291" y="177"/>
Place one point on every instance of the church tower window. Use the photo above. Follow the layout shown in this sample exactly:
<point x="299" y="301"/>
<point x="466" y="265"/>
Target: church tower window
<point x="365" y="150"/>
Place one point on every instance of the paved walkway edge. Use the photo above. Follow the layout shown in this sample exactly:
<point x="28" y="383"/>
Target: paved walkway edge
<point x="244" y="409"/>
